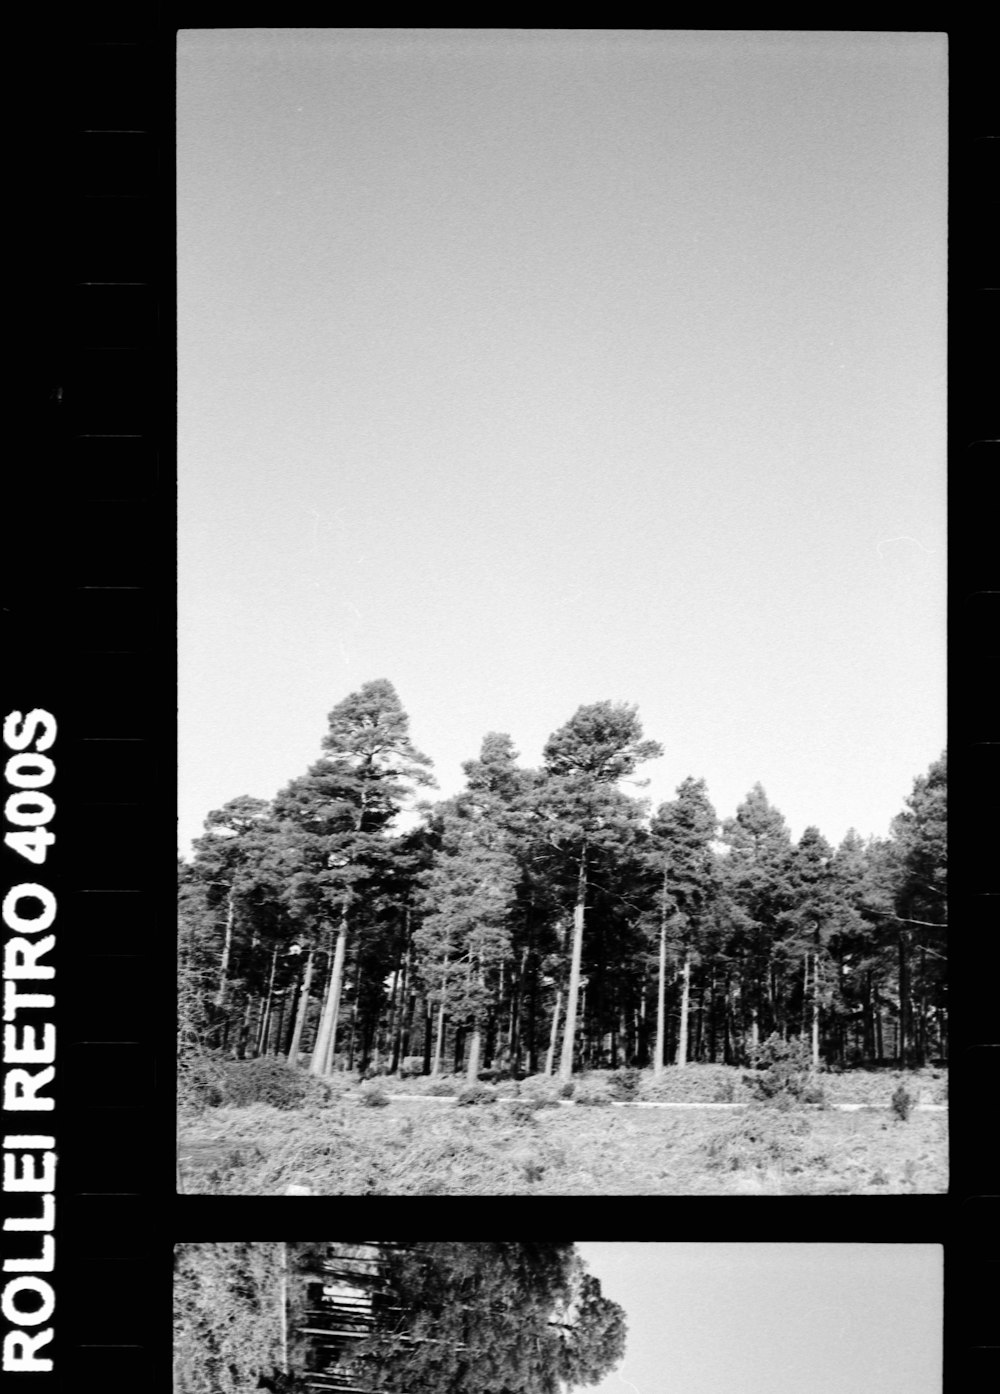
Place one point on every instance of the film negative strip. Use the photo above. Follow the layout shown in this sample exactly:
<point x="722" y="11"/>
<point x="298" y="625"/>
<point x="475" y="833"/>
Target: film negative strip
<point x="88" y="713"/>
<point x="90" y="1203"/>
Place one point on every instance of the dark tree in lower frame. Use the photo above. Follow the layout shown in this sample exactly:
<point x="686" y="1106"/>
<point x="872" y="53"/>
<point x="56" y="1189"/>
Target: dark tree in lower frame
<point x="465" y="1318"/>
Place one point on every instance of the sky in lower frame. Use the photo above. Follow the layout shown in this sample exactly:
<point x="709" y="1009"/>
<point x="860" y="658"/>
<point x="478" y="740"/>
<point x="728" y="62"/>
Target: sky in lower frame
<point x="529" y="369"/>
<point x="775" y="1318"/>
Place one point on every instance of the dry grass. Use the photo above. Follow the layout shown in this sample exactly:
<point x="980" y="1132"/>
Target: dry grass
<point x="428" y="1146"/>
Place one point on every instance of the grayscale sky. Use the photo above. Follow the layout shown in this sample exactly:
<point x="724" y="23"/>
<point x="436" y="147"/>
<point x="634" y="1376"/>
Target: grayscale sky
<point x="534" y="369"/>
<point x="775" y="1318"/>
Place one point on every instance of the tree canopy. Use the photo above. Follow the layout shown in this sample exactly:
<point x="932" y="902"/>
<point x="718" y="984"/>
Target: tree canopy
<point x="544" y="918"/>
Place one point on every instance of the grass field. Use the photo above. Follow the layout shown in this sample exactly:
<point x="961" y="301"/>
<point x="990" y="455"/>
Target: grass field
<point x="338" y="1145"/>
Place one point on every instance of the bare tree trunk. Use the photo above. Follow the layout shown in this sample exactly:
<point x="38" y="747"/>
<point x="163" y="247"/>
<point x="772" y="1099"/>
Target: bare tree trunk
<point x="300" y="1016"/>
<point x="428" y="1036"/>
<point x="328" y="1023"/>
<point x="551" y="1054"/>
<point x="404" y="1002"/>
<point x="227" y="947"/>
<point x="682" y="1042"/>
<point x="661" y="987"/>
<point x="265" y="1021"/>
<point x="569" y="1041"/>
<point x="439" y="1044"/>
<point x="475" y="1047"/>
<point x="905" y="1021"/>
<point x="815" y="1004"/>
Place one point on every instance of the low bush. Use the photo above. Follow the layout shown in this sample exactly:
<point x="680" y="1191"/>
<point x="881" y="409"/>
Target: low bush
<point x="760" y="1138"/>
<point x="782" y="1071"/>
<point x="540" y="1087"/>
<point x="201" y="1083"/>
<point x="372" y="1096"/>
<point x="902" y="1102"/>
<point x="624" y="1084"/>
<point x="694" y="1083"/>
<point x="475" y="1094"/>
<point x="522" y="1111"/>
<point x="443" y="1088"/>
<point x="593" y="1093"/>
<point x="240" y="1083"/>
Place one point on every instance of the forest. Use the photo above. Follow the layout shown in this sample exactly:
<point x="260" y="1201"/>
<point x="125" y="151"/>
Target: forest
<point x="386" y="1318"/>
<point x="547" y="921"/>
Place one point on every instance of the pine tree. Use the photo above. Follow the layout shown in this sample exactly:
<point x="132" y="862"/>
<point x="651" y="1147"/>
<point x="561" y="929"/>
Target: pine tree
<point x="681" y="842"/>
<point x="755" y="876"/>
<point x="809" y="921"/>
<point x="467" y="900"/>
<point x="919" y="853"/>
<point x="344" y="805"/>
<point x="600" y="745"/>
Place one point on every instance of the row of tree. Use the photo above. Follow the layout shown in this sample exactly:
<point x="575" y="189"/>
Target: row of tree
<point x="542" y="919"/>
<point x="493" y="1318"/>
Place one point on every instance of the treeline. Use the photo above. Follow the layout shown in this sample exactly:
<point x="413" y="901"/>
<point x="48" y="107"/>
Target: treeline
<point x="541" y="919"/>
<point x="458" y="1318"/>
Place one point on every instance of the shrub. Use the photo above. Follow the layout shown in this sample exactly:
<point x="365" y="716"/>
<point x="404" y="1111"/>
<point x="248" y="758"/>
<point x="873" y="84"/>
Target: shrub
<point x="902" y="1102"/>
<point x="474" y="1094"/>
<point x="373" y="1096"/>
<point x="540" y="1087"/>
<point x="593" y="1093"/>
<point x="624" y="1084"/>
<point x="522" y="1111"/>
<point x="693" y="1083"/>
<point x="443" y="1088"/>
<point x="758" y="1138"/>
<point x="202" y="1082"/>
<point x="566" y="1089"/>
<point x="782" y="1071"/>
<point x="240" y="1083"/>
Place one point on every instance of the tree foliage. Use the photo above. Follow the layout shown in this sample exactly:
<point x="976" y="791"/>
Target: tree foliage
<point x="543" y="915"/>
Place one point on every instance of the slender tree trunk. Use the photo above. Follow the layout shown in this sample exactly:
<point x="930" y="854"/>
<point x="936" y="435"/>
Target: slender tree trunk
<point x="227" y="947"/>
<point x="713" y="1004"/>
<point x="551" y="1054"/>
<point x="682" y="1041"/>
<point x="303" y="1008"/>
<point x="661" y="987"/>
<point x="406" y="1035"/>
<point x="428" y="1046"/>
<point x="328" y="1024"/>
<point x="397" y="1040"/>
<point x="265" y="1021"/>
<point x="475" y="1047"/>
<point x="904" y="1000"/>
<point x="439" y="1045"/>
<point x="569" y="1037"/>
<point x="815" y="1013"/>
<point x="244" y="1036"/>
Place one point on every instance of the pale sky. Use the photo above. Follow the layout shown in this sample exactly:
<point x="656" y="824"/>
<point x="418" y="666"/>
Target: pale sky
<point x="533" y="369"/>
<point x="775" y="1318"/>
